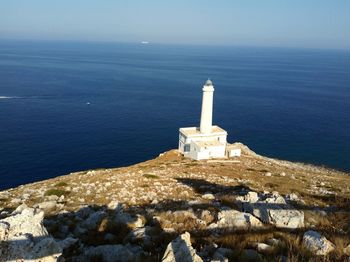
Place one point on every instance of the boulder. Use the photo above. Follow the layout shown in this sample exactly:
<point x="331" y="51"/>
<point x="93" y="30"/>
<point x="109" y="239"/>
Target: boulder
<point x="114" y="205"/>
<point x="24" y="237"/>
<point x="131" y="221"/>
<point x="208" y="196"/>
<point x="141" y="235"/>
<point x="68" y="242"/>
<point x="272" y="209"/>
<point x="112" y="253"/>
<point x="317" y="244"/>
<point x="222" y="254"/>
<point x="47" y="206"/>
<point x="233" y="219"/>
<point x="264" y="248"/>
<point x="181" y="249"/>
<point x="94" y="220"/>
<point x="347" y="250"/>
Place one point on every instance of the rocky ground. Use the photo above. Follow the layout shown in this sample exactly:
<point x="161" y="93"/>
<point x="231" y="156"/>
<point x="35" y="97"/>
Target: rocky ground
<point x="251" y="208"/>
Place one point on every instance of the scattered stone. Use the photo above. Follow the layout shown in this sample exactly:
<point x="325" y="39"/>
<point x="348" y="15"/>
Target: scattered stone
<point x="207" y="216"/>
<point x="23" y="237"/>
<point x="292" y="197"/>
<point x="94" y="220"/>
<point x="317" y="244"/>
<point x="4" y="229"/>
<point x="114" y="205"/>
<point x="208" y="196"/>
<point x="272" y="209"/>
<point x="52" y="198"/>
<point x="181" y="249"/>
<point x="274" y="242"/>
<point x="222" y="255"/>
<point x="68" y="242"/>
<point x="264" y="248"/>
<point x="233" y="219"/>
<point x="19" y="209"/>
<point x="47" y="206"/>
<point x="132" y="222"/>
<point x="84" y="212"/>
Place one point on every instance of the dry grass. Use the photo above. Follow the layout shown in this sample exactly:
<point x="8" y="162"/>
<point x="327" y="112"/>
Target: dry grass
<point x="222" y="179"/>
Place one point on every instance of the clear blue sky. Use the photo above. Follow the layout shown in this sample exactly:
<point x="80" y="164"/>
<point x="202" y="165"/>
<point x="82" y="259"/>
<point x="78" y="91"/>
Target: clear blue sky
<point x="300" y="23"/>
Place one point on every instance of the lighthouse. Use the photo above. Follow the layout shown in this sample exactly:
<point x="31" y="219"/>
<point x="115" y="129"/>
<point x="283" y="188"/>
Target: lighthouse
<point x="207" y="108"/>
<point x="206" y="141"/>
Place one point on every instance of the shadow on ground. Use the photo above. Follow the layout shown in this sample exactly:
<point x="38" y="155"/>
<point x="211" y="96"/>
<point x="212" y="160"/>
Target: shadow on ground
<point x="111" y="229"/>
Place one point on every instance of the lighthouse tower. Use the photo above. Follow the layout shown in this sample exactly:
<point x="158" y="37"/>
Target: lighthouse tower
<point x="208" y="140"/>
<point x="207" y="108"/>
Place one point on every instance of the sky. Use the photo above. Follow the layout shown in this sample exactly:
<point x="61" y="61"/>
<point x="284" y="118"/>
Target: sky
<point x="290" y="23"/>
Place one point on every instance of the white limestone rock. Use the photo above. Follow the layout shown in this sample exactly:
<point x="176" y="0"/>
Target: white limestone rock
<point x="233" y="219"/>
<point x="4" y="230"/>
<point x="114" y="205"/>
<point x="23" y="237"/>
<point x="317" y="244"/>
<point x="52" y="198"/>
<point x="181" y="249"/>
<point x="272" y="209"/>
<point x="47" y="206"/>
<point x="19" y="209"/>
<point x="264" y="248"/>
<point x="208" y="196"/>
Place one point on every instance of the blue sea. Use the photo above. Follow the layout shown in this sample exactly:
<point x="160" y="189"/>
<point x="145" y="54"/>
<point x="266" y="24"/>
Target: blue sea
<point x="70" y="106"/>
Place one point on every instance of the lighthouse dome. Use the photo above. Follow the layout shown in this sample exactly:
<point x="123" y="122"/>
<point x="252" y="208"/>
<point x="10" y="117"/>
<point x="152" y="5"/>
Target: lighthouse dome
<point x="208" y="83"/>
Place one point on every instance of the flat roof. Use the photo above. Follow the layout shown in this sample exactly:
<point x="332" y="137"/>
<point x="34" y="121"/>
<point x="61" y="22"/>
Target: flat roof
<point x="194" y="131"/>
<point x="208" y="143"/>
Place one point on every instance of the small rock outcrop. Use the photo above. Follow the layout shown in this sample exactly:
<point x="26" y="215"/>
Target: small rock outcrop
<point x="233" y="219"/>
<point x="317" y="244"/>
<point x="23" y="237"/>
<point x="181" y="249"/>
<point x="272" y="209"/>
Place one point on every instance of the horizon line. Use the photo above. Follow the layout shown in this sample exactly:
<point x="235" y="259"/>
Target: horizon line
<point x="150" y="43"/>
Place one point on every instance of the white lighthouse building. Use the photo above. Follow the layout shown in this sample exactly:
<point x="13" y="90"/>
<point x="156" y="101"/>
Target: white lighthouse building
<point x="207" y="141"/>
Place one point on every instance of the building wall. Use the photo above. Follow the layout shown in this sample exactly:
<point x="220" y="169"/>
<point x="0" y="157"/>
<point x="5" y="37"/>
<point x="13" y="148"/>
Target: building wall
<point x="200" y="153"/>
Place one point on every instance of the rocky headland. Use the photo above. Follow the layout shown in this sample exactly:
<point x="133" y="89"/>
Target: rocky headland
<point x="250" y="208"/>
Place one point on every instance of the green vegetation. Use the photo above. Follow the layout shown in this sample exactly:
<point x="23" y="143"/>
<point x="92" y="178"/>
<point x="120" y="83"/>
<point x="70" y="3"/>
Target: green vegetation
<point x="151" y="176"/>
<point x="60" y="184"/>
<point x="56" y="192"/>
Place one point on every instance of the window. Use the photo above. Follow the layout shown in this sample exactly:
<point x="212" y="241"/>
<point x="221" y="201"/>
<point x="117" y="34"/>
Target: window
<point x="187" y="147"/>
<point x="182" y="138"/>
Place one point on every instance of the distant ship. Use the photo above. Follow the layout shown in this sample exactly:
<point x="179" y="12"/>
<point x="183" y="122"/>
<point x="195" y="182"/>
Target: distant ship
<point x="144" y="42"/>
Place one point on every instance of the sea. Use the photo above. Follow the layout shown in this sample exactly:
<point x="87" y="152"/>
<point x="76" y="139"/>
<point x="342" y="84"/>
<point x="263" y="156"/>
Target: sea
<point x="71" y="106"/>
